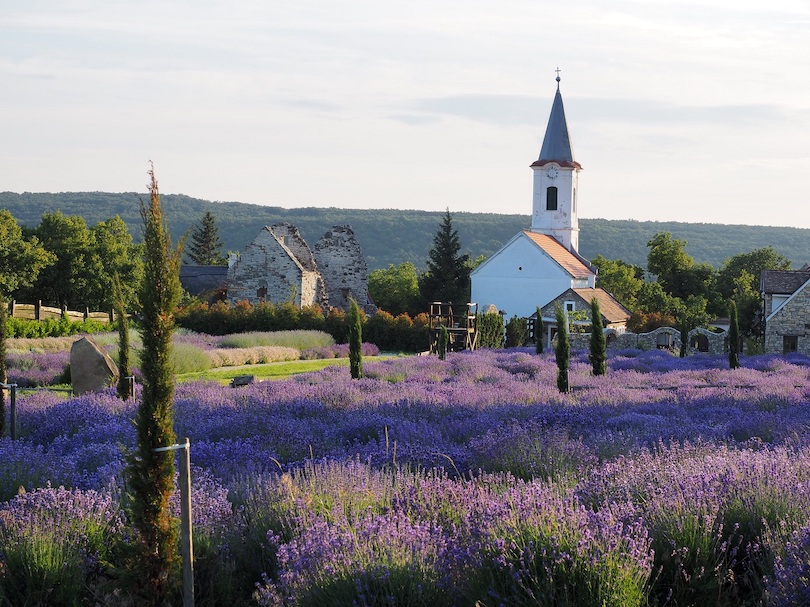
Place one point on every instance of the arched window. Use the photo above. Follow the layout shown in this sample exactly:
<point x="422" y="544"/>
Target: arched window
<point x="551" y="198"/>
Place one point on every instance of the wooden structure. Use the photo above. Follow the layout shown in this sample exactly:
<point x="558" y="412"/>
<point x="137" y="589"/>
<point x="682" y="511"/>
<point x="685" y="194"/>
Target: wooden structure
<point x="461" y="322"/>
<point x="39" y="312"/>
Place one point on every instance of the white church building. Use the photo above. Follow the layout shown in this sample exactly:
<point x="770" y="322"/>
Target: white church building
<point x="539" y="264"/>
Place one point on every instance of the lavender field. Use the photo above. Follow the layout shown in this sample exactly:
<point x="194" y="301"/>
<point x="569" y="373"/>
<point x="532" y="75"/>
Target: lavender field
<point x="468" y="481"/>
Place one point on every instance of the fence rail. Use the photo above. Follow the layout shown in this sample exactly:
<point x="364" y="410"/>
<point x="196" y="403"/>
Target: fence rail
<point x="39" y="312"/>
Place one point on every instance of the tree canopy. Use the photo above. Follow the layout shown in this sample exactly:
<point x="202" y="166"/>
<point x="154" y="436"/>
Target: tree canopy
<point x="448" y="271"/>
<point x="21" y="259"/>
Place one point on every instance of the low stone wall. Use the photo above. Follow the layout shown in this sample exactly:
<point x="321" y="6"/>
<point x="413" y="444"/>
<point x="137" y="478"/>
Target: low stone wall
<point x="663" y="338"/>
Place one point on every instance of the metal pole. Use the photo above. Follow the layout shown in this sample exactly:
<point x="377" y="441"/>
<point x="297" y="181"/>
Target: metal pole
<point x="186" y="543"/>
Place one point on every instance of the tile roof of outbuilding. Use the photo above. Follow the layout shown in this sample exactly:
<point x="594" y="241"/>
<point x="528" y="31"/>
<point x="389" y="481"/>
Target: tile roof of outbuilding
<point x="783" y="282"/>
<point x="611" y="309"/>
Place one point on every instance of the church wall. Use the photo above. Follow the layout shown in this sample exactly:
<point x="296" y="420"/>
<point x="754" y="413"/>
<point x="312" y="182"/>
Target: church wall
<point x="517" y="279"/>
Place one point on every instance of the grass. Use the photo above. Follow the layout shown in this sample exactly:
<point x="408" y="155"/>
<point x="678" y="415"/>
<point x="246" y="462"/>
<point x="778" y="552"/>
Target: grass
<point x="278" y="370"/>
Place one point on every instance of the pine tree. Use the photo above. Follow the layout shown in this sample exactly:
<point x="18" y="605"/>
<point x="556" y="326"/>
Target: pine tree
<point x="206" y="248"/>
<point x="562" y="350"/>
<point x="448" y="273"/>
<point x="355" y="321"/>
<point x="733" y="336"/>
<point x="598" y="354"/>
<point x="150" y="473"/>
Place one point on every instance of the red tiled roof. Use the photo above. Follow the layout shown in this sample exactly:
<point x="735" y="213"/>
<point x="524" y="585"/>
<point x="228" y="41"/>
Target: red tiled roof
<point x="611" y="309"/>
<point x="570" y="262"/>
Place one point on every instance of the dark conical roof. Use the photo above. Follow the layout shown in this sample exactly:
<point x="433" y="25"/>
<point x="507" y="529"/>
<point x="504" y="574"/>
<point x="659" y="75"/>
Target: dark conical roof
<point x="557" y="142"/>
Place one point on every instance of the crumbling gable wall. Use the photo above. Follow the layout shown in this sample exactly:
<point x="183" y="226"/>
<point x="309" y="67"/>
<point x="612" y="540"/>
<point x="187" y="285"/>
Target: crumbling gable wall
<point x="268" y="270"/>
<point x="344" y="269"/>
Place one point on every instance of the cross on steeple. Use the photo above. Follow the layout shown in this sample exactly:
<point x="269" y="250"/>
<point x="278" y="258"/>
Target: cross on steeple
<point x="558" y="74"/>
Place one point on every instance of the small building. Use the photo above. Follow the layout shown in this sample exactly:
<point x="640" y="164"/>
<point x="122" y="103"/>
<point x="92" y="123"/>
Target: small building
<point x="577" y="303"/>
<point x="786" y="310"/>
<point x="209" y="283"/>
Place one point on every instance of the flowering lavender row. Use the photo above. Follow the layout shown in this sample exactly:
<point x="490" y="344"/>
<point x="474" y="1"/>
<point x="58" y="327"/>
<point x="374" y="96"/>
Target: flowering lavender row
<point x="474" y="480"/>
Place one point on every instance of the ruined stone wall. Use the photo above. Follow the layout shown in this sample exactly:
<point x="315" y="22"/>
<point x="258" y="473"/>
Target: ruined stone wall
<point x="291" y="238"/>
<point x="265" y="271"/>
<point x="343" y="267"/>
<point x="664" y="338"/>
<point x="792" y="320"/>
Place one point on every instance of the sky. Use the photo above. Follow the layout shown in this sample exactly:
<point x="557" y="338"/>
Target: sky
<point x="678" y="110"/>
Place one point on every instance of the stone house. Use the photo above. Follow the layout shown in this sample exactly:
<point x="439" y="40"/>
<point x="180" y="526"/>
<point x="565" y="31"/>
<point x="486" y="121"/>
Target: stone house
<point x="786" y="310"/>
<point x="578" y="301"/>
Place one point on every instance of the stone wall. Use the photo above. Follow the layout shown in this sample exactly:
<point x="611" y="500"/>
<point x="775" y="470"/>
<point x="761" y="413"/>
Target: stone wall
<point x="267" y="271"/>
<point x="665" y="338"/>
<point x="792" y="321"/>
<point x="343" y="267"/>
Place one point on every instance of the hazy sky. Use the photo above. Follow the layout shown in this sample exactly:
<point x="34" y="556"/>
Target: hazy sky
<point x="678" y="110"/>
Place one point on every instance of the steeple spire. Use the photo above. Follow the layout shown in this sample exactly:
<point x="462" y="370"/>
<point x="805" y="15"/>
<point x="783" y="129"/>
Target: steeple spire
<point x="557" y="141"/>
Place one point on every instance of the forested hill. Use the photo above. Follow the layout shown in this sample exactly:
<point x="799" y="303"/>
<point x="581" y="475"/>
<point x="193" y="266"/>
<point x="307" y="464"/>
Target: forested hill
<point x="390" y="236"/>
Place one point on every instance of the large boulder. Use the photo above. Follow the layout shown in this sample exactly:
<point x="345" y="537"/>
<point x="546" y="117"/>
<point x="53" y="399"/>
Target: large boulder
<point x="91" y="369"/>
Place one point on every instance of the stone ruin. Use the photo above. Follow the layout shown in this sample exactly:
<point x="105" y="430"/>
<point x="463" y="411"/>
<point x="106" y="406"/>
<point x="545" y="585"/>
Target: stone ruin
<point x="91" y="368"/>
<point x="279" y="266"/>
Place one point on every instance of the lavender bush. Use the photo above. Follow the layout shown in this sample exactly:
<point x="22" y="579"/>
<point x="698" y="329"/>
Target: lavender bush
<point x="473" y="479"/>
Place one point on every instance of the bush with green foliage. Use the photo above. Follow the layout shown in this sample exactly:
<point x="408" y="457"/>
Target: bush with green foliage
<point x="517" y="332"/>
<point x="539" y="331"/>
<point x="51" y="327"/>
<point x="490" y="330"/>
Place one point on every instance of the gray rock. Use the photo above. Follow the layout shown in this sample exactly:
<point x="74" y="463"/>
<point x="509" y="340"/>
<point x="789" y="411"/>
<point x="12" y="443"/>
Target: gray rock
<point x="91" y="368"/>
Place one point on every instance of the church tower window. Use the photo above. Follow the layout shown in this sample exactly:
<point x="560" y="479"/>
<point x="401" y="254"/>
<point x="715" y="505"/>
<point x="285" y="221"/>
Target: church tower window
<point x="551" y="198"/>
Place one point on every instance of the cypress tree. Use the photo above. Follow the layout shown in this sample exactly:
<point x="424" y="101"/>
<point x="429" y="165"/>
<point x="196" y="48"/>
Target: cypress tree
<point x="124" y="390"/>
<point x="598" y="354"/>
<point x="355" y="321"/>
<point x="3" y="353"/>
<point x="206" y="247"/>
<point x="562" y="351"/>
<point x="733" y="336"/>
<point x="539" y="331"/>
<point x="150" y="474"/>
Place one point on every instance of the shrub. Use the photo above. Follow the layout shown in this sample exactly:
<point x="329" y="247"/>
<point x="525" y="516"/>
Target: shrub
<point x="490" y="330"/>
<point x="517" y="332"/>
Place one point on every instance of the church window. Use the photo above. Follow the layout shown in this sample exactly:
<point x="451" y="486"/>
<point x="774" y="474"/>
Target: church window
<point x="551" y="198"/>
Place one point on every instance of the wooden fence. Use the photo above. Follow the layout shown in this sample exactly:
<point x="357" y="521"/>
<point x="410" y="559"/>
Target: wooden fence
<point x="39" y="312"/>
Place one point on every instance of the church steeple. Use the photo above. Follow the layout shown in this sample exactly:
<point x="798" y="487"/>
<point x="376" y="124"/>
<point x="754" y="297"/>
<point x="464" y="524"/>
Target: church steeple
<point x="556" y="176"/>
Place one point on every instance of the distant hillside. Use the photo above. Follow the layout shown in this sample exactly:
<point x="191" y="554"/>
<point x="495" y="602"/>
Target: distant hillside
<point x="390" y="236"/>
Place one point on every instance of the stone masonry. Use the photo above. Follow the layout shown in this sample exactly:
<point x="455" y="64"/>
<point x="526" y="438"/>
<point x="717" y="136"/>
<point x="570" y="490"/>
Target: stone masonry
<point x="270" y="270"/>
<point x="789" y="326"/>
<point x="344" y="268"/>
<point x="279" y="266"/>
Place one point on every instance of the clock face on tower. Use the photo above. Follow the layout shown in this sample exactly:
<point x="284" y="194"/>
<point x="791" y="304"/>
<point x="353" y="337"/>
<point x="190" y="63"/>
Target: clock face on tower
<point x="552" y="172"/>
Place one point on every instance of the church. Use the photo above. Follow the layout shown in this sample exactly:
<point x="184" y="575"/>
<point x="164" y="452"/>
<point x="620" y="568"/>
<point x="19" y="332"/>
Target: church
<point x="541" y="264"/>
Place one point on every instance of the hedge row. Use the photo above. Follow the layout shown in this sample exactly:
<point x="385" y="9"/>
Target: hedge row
<point x="389" y="333"/>
<point x="52" y="327"/>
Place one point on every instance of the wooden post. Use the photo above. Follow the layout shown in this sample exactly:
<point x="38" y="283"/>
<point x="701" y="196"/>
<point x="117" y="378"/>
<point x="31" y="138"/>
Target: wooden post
<point x="186" y="543"/>
<point x="36" y="309"/>
<point x="13" y="410"/>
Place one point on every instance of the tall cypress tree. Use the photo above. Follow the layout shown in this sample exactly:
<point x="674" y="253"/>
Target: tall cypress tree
<point x="733" y="336"/>
<point x="448" y="272"/>
<point x="124" y="389"/>
<point x="355" y="321"/>
<point x="539" y="331"/>
<point x="562" y="351"/>
<point x="150" y="474"/>
<point x="206" y="247"/>
<point x="598" y="353"/>
<point x="3" y="375"/>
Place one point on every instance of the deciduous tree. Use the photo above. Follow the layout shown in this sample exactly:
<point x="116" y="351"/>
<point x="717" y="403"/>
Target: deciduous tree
<point x="396" y="289"/>
<point x="21" y="259"/>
